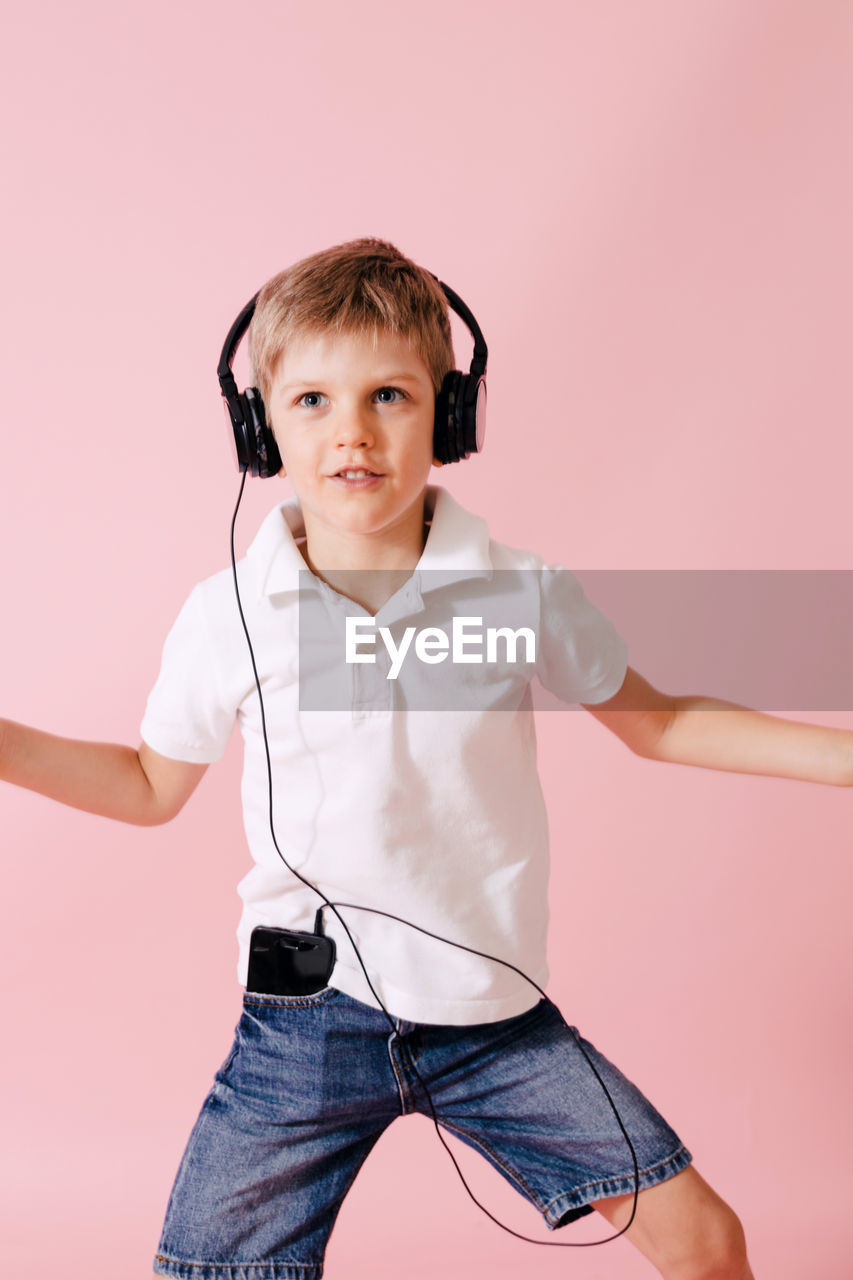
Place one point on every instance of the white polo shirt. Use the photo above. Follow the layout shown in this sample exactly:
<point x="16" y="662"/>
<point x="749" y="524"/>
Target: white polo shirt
<point x="435" y="815"/>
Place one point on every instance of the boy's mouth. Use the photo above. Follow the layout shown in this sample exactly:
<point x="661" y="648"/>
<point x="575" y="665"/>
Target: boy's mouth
<point x="355" y="473"/>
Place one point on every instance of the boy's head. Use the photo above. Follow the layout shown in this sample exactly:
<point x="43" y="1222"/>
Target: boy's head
<point x="349" y="349"/>
<point x="364" y="287"/>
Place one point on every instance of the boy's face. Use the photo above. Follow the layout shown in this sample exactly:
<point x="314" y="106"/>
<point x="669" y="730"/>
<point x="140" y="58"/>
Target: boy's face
<point x="340" y="404"/>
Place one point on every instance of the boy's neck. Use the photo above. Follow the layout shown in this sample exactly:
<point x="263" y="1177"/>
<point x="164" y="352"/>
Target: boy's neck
<point x="384" y="560"/>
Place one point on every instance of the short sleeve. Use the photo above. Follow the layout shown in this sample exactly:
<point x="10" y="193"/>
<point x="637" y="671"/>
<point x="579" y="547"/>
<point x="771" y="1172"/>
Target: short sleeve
<point x="186" y="716"/>
<point x="581" y="657"/>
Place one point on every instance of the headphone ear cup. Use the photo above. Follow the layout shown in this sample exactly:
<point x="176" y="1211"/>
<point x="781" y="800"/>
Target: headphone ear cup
<point x="265" y="459"/>
<point x="471" y="414"/>
<point x="460" y="417"/>
<point x="445" y="436"/>
<point x="236" y="418"/>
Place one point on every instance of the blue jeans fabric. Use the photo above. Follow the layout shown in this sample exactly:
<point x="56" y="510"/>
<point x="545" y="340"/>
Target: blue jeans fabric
<point x="311" y="1083"/>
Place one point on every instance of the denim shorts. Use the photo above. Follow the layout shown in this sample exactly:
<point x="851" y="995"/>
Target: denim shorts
<point x="311" y="1083"/>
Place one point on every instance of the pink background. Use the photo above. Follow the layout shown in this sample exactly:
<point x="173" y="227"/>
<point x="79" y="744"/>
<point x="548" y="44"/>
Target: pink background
<point x="648" y="206"/>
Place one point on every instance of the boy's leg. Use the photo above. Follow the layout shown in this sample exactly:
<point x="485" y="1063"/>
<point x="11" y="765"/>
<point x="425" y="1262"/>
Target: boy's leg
<point x="294" y="1111"/>
<point x="684" y="1228"/>
<point x="523" y="1093"/>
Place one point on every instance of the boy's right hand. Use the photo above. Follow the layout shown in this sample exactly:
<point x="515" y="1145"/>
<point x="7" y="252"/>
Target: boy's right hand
<point x="138" y="786"/>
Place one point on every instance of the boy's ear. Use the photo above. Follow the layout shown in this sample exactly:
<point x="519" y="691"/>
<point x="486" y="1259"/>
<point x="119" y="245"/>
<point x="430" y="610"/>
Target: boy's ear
<point x="436" y="463"/>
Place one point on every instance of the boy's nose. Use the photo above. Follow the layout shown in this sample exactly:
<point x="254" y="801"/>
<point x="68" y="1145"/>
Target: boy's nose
<point x="353" y="431"/>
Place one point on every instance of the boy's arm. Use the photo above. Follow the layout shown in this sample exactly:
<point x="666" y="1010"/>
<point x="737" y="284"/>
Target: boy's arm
<point x="722" y="735"/>
<point x="138" y="786"/>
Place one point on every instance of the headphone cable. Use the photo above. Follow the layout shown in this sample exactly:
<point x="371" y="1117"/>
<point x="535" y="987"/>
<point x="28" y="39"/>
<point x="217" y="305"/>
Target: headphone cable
<point x="333" y="907"/>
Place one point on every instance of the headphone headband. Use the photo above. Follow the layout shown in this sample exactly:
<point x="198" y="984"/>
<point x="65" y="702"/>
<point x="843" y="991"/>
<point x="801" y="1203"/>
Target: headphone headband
<point x="229" y="349"/>
<point x="481" y="351"/>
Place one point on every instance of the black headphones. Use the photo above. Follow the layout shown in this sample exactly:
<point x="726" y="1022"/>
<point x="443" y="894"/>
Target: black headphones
<point x="460" y="406"/>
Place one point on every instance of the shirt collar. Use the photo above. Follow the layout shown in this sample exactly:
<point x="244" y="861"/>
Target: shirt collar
<point x="457" y="545"/>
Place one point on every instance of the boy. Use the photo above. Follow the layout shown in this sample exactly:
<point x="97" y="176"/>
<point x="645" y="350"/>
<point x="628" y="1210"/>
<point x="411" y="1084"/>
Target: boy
<point x="436" y="818"/>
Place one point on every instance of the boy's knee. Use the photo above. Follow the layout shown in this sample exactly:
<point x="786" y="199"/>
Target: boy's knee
<point x="717" y="1250"/>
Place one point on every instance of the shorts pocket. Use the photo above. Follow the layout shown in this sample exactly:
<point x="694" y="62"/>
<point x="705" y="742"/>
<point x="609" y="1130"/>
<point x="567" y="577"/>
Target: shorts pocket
<point x="259" y="999"/>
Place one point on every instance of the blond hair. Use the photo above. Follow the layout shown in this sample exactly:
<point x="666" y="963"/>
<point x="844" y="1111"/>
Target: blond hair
<point x="364" y="286"/>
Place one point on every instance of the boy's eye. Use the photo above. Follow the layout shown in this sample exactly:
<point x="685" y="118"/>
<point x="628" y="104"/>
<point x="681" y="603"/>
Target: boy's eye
<point x="385" y="395"/>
